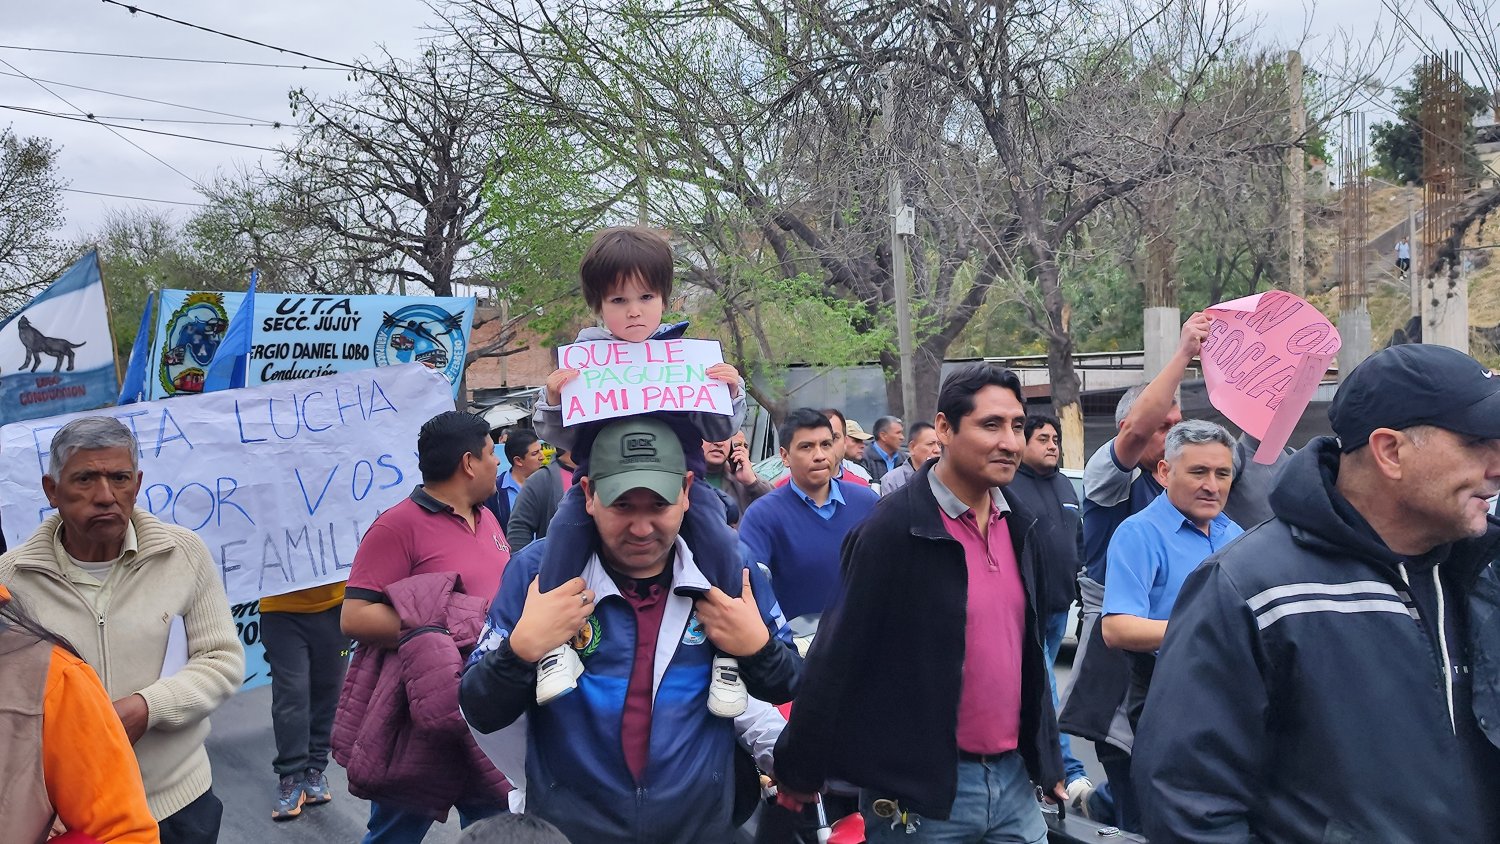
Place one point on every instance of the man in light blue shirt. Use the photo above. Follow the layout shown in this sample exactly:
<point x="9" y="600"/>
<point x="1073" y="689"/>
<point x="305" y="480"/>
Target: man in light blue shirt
<point x="1152" y="552"/>
<point x="523" y="454"/>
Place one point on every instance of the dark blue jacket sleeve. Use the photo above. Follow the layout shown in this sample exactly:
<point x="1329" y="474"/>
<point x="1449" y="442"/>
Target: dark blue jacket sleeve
<point x="808" y="740"/>
<point x="1201" y="749"/>
<point x="497" y="685"/>
<point x="772" y="673"/>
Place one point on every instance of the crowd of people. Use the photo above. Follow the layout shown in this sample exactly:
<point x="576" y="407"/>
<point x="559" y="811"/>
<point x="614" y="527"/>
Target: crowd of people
<point x="600" y="648"/>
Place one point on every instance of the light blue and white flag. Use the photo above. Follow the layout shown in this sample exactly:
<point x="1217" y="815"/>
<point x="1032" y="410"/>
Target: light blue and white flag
<point x="57" y="354"/>
<point x="226" y="371"/>
<point x="133" y="388"/>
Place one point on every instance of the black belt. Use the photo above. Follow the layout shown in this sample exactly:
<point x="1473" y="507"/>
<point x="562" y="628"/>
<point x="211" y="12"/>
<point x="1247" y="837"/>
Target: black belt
<point x="984" y="758"/>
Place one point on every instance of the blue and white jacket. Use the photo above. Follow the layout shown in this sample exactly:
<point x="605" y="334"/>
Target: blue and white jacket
<point x="575" y="774"/>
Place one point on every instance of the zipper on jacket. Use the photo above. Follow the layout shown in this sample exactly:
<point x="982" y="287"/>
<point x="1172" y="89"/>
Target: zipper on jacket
<point x="1440" y="653"/>
<point x="102" y="669"/>
<point x="417" y="631"/>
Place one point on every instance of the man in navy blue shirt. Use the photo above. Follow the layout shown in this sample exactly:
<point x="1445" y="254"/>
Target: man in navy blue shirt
<point x="796" y="531"/>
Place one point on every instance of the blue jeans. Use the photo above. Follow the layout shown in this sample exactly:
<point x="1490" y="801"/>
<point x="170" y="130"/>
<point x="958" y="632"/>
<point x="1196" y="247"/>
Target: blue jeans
<point x="1057" y="625"/>
<point x="394" y="825"/>
<point x="996" y="802"/>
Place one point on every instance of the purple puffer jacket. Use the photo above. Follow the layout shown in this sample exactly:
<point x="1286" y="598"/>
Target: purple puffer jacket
<point x="398" y="730"/>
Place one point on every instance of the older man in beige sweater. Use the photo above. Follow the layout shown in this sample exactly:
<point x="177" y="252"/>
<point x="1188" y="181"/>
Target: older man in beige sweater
<point x="120" y="585"/>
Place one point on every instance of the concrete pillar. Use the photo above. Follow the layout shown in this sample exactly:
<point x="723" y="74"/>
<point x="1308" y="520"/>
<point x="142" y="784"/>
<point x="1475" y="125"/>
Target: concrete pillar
<point x="1354" y="329"/>
<point x="1162" y="327"/>
<point x="1445" y="310"/>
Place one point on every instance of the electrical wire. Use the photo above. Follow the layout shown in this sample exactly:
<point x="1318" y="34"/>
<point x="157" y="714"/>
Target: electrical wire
<point x="136" y="198"/>
<point x="167" y="58"/>
<point x="65" y="101"/>
<point x="134" y="10"/>
<point x="128" y="96"/>
<point x="93" y="116"/>
<point x="88" y="118"/>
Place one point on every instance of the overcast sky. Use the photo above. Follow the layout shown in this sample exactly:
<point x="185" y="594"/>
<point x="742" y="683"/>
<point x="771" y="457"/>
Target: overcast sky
<point x="93" y="159"/>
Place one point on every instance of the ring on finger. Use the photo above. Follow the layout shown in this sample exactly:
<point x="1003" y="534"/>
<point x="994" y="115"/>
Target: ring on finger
<point x="583" y="599"/>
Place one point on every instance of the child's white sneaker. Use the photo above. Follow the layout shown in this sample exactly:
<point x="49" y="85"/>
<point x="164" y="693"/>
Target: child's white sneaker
<point x="727" y="697"/>
<point x="557" y="674"/>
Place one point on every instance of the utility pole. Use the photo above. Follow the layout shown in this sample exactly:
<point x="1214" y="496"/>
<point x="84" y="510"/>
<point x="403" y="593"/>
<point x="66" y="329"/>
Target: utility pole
<point x="1298" y="181"/>
<point x="901" y="221"/>
<point x="1412" y="245"/>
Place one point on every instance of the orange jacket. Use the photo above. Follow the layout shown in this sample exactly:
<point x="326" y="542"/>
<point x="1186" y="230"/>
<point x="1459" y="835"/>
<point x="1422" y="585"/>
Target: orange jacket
<point x="90" y="770"/>
<point x="92" y="777"/>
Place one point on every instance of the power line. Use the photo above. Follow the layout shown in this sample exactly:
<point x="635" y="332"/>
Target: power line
<point x="127" y="96"/>
<point x="138" y="10"/>
<point x="93" y="116"/>
<point x="88" y="118"/>
<point x="137" y="198"/>
<point x="167" y="58"/>
<point x="153" y="155"/>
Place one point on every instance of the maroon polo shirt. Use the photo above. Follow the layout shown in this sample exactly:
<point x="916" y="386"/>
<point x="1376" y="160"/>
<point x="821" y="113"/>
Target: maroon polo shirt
<point x="649" y="600"/>
<point x="422" y="535"/>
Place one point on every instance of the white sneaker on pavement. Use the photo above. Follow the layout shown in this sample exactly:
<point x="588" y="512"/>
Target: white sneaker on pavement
<point x="557" y="674"/>
<point x="727" y="697"/>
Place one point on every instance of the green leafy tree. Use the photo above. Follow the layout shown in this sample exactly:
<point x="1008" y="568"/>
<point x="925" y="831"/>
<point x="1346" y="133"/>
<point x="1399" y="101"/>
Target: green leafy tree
<point x="1397" y="144"/>
<point x="31" y="213"/>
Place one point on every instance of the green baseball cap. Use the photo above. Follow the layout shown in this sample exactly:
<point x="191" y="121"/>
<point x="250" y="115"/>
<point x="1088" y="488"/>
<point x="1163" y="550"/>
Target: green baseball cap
<point x="637" y="452"/>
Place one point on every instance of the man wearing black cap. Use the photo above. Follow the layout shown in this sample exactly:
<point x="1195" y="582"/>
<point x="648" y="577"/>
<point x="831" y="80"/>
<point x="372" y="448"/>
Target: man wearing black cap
<point x="1333" y="674"/>
<point x="633" y="754"/>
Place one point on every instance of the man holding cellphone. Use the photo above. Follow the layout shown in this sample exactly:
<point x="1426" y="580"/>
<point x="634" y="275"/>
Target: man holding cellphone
<point x="730" y="472"/>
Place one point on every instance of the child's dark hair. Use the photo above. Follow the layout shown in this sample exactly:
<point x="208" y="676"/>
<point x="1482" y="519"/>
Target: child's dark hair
<point x="512" y="829"/>
<point x="619" y="253"/>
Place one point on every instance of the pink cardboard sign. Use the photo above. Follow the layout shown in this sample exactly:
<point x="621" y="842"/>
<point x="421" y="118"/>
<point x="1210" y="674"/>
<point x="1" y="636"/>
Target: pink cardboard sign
<point x="1262" y="361"/>
<point x="621" y="379"/>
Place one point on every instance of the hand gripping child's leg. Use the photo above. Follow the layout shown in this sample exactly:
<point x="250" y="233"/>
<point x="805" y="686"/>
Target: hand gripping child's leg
<point x="569" y="546"/>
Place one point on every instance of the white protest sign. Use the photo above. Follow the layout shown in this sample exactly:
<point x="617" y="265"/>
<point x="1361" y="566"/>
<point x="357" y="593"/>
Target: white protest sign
<point x="623" y="379"/>
<point x="280" y="481"/>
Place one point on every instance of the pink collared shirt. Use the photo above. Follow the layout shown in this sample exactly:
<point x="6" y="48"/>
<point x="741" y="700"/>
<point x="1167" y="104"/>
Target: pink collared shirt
<point x="989" y="704"/>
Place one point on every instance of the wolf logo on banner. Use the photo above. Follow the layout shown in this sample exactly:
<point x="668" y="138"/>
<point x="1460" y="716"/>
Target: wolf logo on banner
<point x="68" y="327"/>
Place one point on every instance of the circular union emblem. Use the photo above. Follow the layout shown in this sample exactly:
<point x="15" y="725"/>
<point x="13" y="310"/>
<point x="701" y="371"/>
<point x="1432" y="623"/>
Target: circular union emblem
<point x="694" y="634"/>
<point x="192" y="336"/>
<point x="586" y="640"/>
<point x="424" y="334"/>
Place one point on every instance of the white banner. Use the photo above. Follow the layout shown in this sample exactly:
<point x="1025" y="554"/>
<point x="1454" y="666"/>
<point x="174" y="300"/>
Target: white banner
<point x="280" y="481"/>
<point x="623" y="379"/>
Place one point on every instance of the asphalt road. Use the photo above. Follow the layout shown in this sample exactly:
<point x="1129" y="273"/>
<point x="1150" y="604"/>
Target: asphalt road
<point x="241" y="748"/>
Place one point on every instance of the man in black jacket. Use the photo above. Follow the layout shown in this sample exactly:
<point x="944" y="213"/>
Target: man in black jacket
<point x="1332" y="675"/>
<point x="927" y="685"/>
<point x="1050" y="496"/>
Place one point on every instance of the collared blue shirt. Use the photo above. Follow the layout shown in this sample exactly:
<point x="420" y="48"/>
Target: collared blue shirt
<point x="828" y="508"/>
<point x="1152" y="553"/>
<point x="508" y="483"/>
<point x="890" y="459"/>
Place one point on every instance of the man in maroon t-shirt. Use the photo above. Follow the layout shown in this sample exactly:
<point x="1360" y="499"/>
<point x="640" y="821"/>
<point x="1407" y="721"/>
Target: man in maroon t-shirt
<point x="443" y="526"/>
